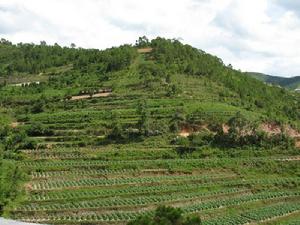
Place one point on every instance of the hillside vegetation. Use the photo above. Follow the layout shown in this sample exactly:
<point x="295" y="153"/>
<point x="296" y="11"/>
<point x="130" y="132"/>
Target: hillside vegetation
<point x="105" y="137"/>
<point x="291" y="83"/>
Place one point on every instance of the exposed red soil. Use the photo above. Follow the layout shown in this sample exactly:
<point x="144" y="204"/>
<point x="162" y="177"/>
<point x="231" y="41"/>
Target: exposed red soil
<point x="188" y="130"/>
<point x="28" y="186"/>
<point x="184" y="133"/>
<point x="297" y="142"/>
<point x="269" y="128"/>
<point x="225" y="128"/>
<point x="272" y="128"/>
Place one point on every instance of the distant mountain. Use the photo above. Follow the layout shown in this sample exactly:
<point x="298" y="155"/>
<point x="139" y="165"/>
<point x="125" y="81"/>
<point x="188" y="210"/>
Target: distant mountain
<point x="290" y="83"/>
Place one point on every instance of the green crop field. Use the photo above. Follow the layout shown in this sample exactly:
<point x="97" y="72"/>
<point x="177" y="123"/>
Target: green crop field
<point x="178" y="128"/>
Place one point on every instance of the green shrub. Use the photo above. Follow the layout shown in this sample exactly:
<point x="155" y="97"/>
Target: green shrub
<point x="166" y="216"/>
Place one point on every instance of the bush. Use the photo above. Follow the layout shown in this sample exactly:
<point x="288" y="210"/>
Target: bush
<point x="36" y="129"/>
<point x="10" y="176"/>
<point x="166" y="216"/>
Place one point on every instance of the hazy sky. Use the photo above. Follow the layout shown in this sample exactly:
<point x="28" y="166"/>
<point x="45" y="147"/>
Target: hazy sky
<point x="252" y="35"/>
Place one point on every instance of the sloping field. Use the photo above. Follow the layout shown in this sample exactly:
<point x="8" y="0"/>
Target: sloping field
<point x="111" y="157"/>
<point x="113" y="184"/>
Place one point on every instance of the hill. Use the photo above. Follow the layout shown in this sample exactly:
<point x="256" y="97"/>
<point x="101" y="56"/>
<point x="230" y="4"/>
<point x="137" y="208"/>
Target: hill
<point x="104" y="137"/>
<point x="291" y="83"/>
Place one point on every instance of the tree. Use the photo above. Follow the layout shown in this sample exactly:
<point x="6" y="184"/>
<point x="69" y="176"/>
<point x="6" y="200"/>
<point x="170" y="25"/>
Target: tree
<point x="143" y="112"/>
<point x="239" y="126"/>
<point x="38" y="106"/>
<point x="150" y="72"/>
<point x="116" y="132"/>
<point x="177" y="121"/>
<point x="91" y="92"/>
<point x="43" y="43"/>
<point x="172" y="90"/>
<point x="38" y="129"/>
<point x="142" y="42"/>
<point x="5" y="42"/>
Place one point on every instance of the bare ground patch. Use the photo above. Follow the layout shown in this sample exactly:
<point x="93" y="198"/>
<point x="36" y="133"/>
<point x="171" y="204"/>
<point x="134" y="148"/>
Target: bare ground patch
<point x="144" y="50"/>
<point x="98" y="95"/>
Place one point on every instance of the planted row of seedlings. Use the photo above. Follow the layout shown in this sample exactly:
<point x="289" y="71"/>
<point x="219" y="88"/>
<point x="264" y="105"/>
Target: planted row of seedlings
<point x="105" y="217"/>
<point x="148" y="163"/>
<point x="239" y="200"/>
<point x="80" y="173"/>
<point x="162" y="188"/>
<point x="257" y="215"/>
<point x="272" y="211"/>
<point x="98" y="115"/>
<point x="122" y="216"/>
<point x="132" y="201"/>
<point x="60" y="184"/>
<point x="136" y="154"/>
<point x="123" y="191"/>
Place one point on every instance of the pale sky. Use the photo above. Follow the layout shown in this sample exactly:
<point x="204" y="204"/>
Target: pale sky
<point x="252" y="35"/>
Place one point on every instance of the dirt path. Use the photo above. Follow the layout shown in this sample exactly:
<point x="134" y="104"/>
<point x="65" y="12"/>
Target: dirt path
<point x="16" y="124"/>
<point x="144" y="50"/>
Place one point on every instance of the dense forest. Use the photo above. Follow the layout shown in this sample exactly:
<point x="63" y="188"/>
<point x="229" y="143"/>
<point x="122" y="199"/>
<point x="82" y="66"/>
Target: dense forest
<point x="89" y="136"/>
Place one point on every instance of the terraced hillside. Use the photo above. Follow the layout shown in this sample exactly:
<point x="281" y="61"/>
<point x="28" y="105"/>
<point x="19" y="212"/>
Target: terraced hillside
<point x="110" y="158"/>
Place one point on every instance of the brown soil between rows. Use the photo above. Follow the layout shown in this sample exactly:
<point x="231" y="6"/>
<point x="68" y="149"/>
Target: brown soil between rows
<point x="98" y="95"/>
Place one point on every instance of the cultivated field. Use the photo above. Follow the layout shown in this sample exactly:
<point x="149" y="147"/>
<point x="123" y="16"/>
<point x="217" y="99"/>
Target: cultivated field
<point x="72" y="181"/>
<point x="172" y="126"/>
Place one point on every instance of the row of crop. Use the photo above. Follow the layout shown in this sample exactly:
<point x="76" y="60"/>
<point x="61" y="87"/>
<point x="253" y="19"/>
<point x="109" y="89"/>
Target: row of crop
<point x="69" y="126"/>
<point x="107" y="217"/>
<point x="155" y="113"/>
<point x="127" y="216"/>
<point x="162" y="188"/>
<point x="77" y="116"/>
<point x="78" y="173"/>
<point x="124" y="191"/>
<point x="192" y="162"/>
<point x="116" y="154"/>
<point x="228" y="220"/>
<point x="59" y="184"/>
<point x="81" y="116"/>
<point x="256" y="215"/>
<point x="272" y="211"/>
<point x="133" y="201"/>
<point x="237" y="201"/>
<point x="66" y="155"/>
<point x="75" y="137"/>
<point x="89" y="116"/>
